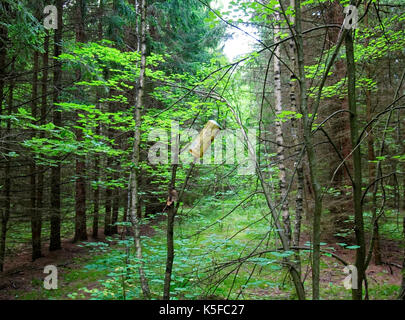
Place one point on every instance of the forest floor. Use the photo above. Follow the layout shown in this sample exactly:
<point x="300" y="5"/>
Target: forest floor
<point x="22" y="276"/>
<point x="23" y="279"/>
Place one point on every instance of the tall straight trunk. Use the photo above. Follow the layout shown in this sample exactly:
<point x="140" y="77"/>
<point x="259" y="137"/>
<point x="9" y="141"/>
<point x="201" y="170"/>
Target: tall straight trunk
<point x="5" y="212"/>
<point x="309" y="144"/>
<point x="34" y="212"/>
<point x="80" y="186"/>
<point x="402" y="290"/>
<point x="279" y="129"/>
<point x="96" y="197"/>
<point x="357" y="193"/>
<point x="108" y="199"/>
<point x="44" y="104"/>
<point x="55" y="241"/>
<point x="115" y="209"/>
<point x="134" y="183"/>
<point x="402" y="293"/>
<point x="126" y="206"/>
<point x="371" y="162"/>
<point x="116" y="192"/>
<point x="402" y="204"/>
<point x="96" y="191"/>
<point x="372" y="175"/>
<point x="298" y="164"/>
<point x="107" y="215"/>
<point x="3" y="55"/>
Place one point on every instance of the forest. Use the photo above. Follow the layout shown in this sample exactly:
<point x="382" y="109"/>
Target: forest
<point x="202" y="150"/>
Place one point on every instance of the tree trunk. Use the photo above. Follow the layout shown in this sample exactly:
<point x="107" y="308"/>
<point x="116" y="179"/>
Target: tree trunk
<point x="3" y="55"/>
<point x="5" y="212"/>
<point x="96" y="191"/>
<point x="402" y="291"/>
<point x="298" y="164"/>
<point x="96" y="196"/>
<point x="371" y="161"/>
<point x="136" y="154"/>
<point x="55" y="241"/>
<point x="279" y="130"/>
<point x="34" y="212"/>
<point x="80" y="186"/>
<point x="108" y="202"/>
<point x="44" y="105"/>
<point x="169" y="238"/>
<point x="115" y="210"/>
<point x="309" y="144"/>
<point x="357" y="193"/>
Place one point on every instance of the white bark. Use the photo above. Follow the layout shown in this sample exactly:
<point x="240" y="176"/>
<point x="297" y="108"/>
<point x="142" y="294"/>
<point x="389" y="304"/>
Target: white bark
<point x="279" y="128"/>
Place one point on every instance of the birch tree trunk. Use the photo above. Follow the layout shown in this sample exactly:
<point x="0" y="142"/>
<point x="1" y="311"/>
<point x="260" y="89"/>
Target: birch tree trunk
<point x="279" y="128"/>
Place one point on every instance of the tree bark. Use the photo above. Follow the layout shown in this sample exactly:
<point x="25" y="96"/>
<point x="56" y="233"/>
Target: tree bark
<point x="402" y="290"/>
<point x="108" y="202"/>
<point x="279" y="129"/>
<point x="55" y="241"/>
<point x="115" y="210"/>
<point x="294" y="133"/>
<point x="309" y="145"/>
<point x="136" y="154"/>
<point x="371" y="161"/>
<point x="80" y="186"/>
<point x="5" y="212"/>
<point x="44" y="105"/>
<point x="96" y="191"/>
<point x="34" y="212"/>
<point x="169" y="238"/>
<point x="96" y="197"/>
<point x="357" y="193"/>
